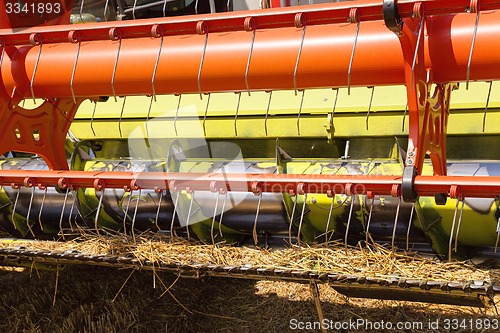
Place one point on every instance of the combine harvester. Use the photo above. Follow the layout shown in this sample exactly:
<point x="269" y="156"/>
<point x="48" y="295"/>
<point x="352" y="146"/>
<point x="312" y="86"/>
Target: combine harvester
<point x="256" y="127"/>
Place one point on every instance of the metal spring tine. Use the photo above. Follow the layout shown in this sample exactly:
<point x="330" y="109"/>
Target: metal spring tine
<point x="81" y="10"/>
<point x="473" y="8"/>
<point x="35" y="39"/>
<point x="353" y="18"/>
<point x="299" y="22"/>
<point x="14" y="209"/>
<point x="41" y="209"/>
<point x="236" y="115"/>
<point x="459" y="223"/>
<point x="71" y="211"/>
<point x="452" y="230"/>
<point x="62" y="214"/>
<point x="96" y="221"/>
<point x="121" y="116"/>
<point x="189" y="214"/>
<point x="105" y="13"/>
<point x="300" y="111"/>
<point x="329" y="218"/>
<point x="205" y="116"/>
<point x="29" y="211"/>
<point x="404" y="117"/>
<point x="369" y="106"/>
<point x="2" y="45"/>
<point x="348" y="222"/>
<point x="92" y="118"/>
<point x="227" y="5"/>
<point x="267" y="110"/>
<point x="196" y="7"/>
<point x="255" y="236"/>
<point x="249" y="25"/>
<point x="74" y="37"/>
<point x="126" y="213"/>
<point x="173" y="217"/>
<point x="202" y="29"/>
<point x="158" y="210"/>
<point x="369" y="219"/>
<point x="335" y="102"/>
<point x="395" y="224"/>
<point x="420" y="30"/>
<point x="133" y="9"/>
<point x="177" y="114"/>
<point x="212" y="6"/>
<point x="115" y="35"/>
<point x="213" y="219"/>
<point x="291" y="220"/>
<point x="301" y="218"/>
<point x="156" y="31"/>
<point x="164" y="8"/>
<point x="409" y="226"/>
<point x="135" y="213"/>
<point x="486" y="107"/>
<point x="498" y="235"/>
<point x="222" y="214"/>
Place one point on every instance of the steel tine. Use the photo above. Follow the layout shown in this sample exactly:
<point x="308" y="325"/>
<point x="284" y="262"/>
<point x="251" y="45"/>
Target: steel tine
<point x="14" y="209"/>
<point x="474" y="8"/>
<point x="205" y="116"/>
<point x="196" y="7"/>
<point x="201" y="29"/>
<point x="300" y="111"/>
<point x="353" y="18"/>
<point x="121" y="116"/>
<point x="29" y="211"/>
<point x="126" y="212"/>
<point x="369" y="106"/>
<point x="41" y="209"/>
<point x="212" y="6"/>
<point x="249" y="25"/>
<point x="327" y="229"/>
<point x="222" y="214"/>
<point x="105" y="13"/>
<point x="487" y="105"/>
<point x="99" y="205"/>
<point x="62" y="214"/>
<point x="236" y="115"/>
<point x="292" y="218"/>
<point x="164" y="8"/>
<point x="74" y="37"/>
<point x="299" y="22"/>
<point x="348" y="222"/>
<point x="81" y="10"/>
<point x="227" y="5"/>
<point x="173" y="217"/>
<point x="255" y="236"/>
<point x="156" y="32"/>
<point x="92" y="118"/>
<point x="115" y="35"/>
<point x="420" y="30"/>
<point x="301" y="218"/>
<point x="459" y="223"/>
<point x="71" y="211"/>
<point x="133" y="9"/>
<point x="2" y="45"/>
<point x="213" y="218"/>
<point x="177" y="114"/>
<point x="135" y="213"/>
<point x="404" y="117"/>
<point x="369" y="219"/>
<point x="409" y="226"/>
<point x="498" y="235"/>
<point x="267" y="110"/>
<point x="189" y="214"/>
<point x="334" y="107"/>
<point x="452" y="230"/>
<point x="35" y="40"/>
<point x="395" y="223"/>
<point x="158" y="210"/>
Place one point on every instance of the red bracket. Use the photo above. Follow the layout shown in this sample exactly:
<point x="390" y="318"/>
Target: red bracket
<point x="428" y="113"/>
<point x="39" y="131"/>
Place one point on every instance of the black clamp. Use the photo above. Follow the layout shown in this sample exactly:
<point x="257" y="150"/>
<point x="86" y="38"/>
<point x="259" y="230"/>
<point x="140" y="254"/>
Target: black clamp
<point x="407" y="188"/>
<point x="391" y="16"/>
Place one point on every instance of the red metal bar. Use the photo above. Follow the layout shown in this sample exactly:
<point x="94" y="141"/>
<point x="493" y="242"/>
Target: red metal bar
<point x="464" y="186"/>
